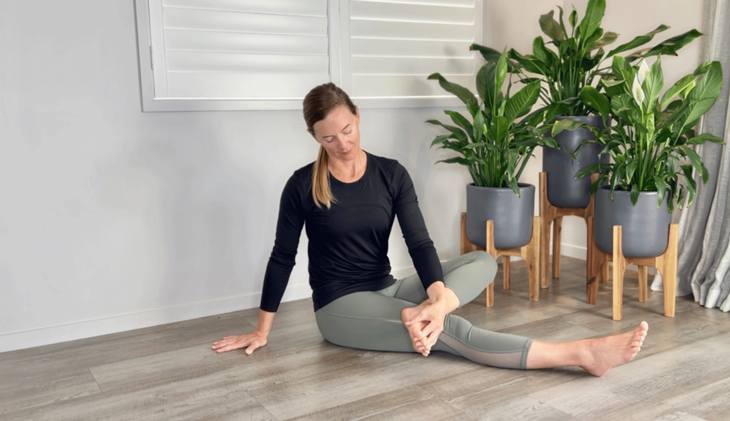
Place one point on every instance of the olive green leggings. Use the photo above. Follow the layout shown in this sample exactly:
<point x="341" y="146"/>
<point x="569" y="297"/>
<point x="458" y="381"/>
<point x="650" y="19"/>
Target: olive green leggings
<point x="371" y="320"/>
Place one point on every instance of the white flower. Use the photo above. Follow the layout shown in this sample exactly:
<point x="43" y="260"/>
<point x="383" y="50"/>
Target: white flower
<point x="643" y="71"/>
<point x="637" y="91"/>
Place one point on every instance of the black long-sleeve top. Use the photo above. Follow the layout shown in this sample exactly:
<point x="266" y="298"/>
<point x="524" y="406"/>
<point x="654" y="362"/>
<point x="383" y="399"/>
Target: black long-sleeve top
<point x="348" y="243"/>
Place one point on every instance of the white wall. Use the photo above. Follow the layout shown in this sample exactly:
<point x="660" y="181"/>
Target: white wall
<point x="113" y="219"/>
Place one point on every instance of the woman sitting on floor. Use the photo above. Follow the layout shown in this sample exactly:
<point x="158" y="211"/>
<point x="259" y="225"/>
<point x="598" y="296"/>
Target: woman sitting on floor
<point x="349" y="200"/>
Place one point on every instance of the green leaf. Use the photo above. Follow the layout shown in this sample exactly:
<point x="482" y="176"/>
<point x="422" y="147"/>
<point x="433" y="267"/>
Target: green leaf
<point x="654" y="82"/>
<point x="704" y="94"/>
<point x="478" y="129"/>
<point x="638" y="41"/>
<point x="678" y="87"/>
<point x="596" y="100"/>
<point x="701" y="139"/>
<point x="460" y="121"/>
<point x="489" y="54"/>
<point x="661" y="188"/>
<point x="691" y="184"/>
<point x="608" y="38"/>
<point x="670" y="46"/>
<point x="440" y="139"/>
<point x="592" y="20"/>
<point x="482" y="83"/>
<point x="613" y="87"/>
<point x="521" y="103"/>
<point x="461" y="92"/>
<point x="695" y="160"/>
<point x="634" y="194"/>
<point x="528" y="62"/>
<point x="541" y="52"/>
<point x="456" y="160"/>
<point x="456" y="133"/>
<point x="499" y="129"/>
<point x="501" y="72"/>
<point x="573" y="17"/>
<point x="551" y="27"/>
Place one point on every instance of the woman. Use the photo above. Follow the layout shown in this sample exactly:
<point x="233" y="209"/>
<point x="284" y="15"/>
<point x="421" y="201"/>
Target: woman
<point x="349" y="199"/>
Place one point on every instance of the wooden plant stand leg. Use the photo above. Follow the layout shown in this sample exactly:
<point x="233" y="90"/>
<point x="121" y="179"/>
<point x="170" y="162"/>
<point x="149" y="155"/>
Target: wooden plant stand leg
<point x="594" y="262"/>
<point x="666" y="264"/>
<point x="530" y="253"/>
<point x="553" y="216"/>
<point x="557" y="238"/>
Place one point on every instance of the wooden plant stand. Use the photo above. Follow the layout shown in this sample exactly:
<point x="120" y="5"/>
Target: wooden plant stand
<point x="553" y="215"/>
<point x="666" y="264"/>
<point x="529" y="253"/>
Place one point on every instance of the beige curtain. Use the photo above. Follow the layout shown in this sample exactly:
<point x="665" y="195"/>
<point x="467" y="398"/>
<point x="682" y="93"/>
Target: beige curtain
<point x="704" y="251"/>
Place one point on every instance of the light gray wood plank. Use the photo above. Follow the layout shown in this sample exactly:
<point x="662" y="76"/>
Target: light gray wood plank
<point x="384" y="372"/>
<point x="52" y="388"/>
<point x="204" y="397"/>
<point x="406" y="404"/>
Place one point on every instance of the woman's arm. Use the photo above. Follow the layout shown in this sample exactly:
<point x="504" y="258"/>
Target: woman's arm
<point x="253" y="340"/>
<point x="288" y="230"/>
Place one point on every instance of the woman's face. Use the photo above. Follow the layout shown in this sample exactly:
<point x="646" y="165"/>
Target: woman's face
<point x="339" y="133"/>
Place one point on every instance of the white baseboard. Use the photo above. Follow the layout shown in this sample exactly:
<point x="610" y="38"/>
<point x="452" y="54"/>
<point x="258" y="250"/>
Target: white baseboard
<point x="570" y="250"/>
<point x="120" y="323"/>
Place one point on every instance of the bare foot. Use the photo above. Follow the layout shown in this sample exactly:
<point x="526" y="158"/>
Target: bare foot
<point x="602" y="354"/>
<point x="407" y="314"/>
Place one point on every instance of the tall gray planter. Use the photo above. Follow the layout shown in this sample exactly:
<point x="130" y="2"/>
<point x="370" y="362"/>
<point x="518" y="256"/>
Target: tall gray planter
<point x="512" y="215"/>
<point x="645" y="228"/>
<point x="563" y="189"/>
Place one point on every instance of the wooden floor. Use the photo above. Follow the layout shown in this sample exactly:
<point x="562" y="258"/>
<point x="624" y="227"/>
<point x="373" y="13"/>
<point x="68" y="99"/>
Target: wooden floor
<point x="170" y="372"/>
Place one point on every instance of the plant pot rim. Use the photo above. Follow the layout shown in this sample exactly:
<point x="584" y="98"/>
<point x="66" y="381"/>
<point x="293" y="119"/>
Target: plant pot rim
<point x="520" y="185"/>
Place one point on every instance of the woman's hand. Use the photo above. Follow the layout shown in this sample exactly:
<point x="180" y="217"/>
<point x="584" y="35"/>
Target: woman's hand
<point x="251" y="342"/>
<point x="425" y="325"/>
<point x="425" y="322"/>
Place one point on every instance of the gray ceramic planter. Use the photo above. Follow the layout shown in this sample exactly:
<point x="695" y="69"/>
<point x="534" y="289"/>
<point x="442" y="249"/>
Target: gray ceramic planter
<point x="512" y="215"/>
<point x="645" y="227"/>
<point x="562" y="188"/>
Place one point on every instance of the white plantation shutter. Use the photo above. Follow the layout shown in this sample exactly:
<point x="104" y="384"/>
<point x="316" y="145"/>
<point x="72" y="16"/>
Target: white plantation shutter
<point x="237" y="54"/>
<point x="267" y="54"/>
<point x="393" y="45"/>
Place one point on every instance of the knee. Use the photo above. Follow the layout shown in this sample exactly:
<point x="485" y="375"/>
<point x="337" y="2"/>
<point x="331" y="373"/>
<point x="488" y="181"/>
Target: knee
<point x="485" y="262"/>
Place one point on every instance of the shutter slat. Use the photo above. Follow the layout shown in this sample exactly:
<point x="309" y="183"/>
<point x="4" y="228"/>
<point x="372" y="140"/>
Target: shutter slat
<point x="410" y="30"/>
<point x="454" y="3"/>
<point x="394" y="86"/>
<point x="410" y="48"/>
<point x="244" y="43"/>
<point x="412" y="66"/>
<point x="238" y="86"/>
<point x="180" y="61"/>
<point x="287" y="7"/>
<point x="361" y="10"/>
<point x="193" y="19"/>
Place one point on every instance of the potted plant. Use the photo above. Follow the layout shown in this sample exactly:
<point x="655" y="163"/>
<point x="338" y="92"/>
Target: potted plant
<point x="495" y="146"/>
<point x="651" y="146"/>
<point x="575" y="61"/>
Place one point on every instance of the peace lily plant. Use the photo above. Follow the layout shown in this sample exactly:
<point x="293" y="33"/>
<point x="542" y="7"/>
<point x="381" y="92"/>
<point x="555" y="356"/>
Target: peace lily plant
<point x="651" y="140"/>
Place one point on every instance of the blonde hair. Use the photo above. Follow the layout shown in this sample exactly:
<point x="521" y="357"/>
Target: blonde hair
<point x="319" y="102"/>
<point x="321" y="189"/>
